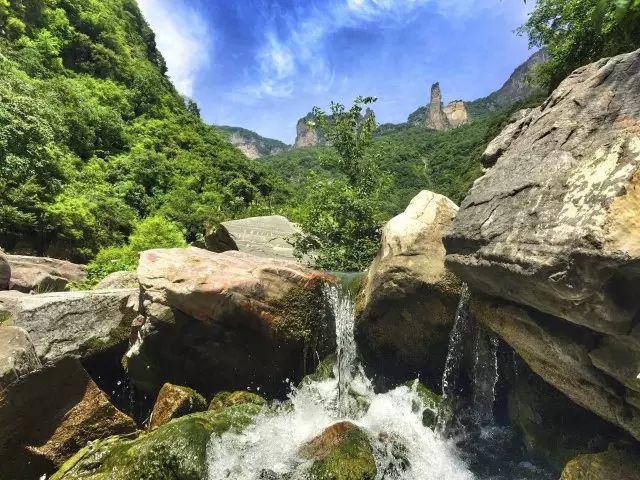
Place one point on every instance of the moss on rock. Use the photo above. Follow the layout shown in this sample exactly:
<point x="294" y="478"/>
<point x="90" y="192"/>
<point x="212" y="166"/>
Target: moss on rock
<point x="431" y="402"/>
<point x="324" y="371"/>
<point x="341" y="452"/>
<point x="229" y="399"/>
<point x="174" y="451"/>
<point x="174" y="402"/>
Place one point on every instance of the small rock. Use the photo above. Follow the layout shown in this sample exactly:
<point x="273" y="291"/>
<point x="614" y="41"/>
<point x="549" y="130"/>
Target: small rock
<point x="118" y="280"/>
<point x="174" y="402"/>
<point x="42" y="274"/>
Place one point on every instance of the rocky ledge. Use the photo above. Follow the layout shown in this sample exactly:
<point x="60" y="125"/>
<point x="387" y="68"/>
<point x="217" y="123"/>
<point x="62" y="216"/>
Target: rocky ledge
<point x="550" y="235"/>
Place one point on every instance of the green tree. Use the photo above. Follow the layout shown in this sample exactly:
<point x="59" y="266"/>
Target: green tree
<point x="341" y="217"/>
<point x="577" y="32"/>
<point x="150" y="233"/>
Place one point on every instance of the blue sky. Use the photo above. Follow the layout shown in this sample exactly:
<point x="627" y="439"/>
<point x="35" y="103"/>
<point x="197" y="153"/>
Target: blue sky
<point x="262" y="64"/>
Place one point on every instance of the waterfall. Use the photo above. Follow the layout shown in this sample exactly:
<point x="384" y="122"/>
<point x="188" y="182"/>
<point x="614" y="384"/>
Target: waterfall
<point x="455" y="352"/>
<point x="269" y="447"/>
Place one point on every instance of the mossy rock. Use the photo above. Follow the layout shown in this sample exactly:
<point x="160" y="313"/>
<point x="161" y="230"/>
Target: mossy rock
<point x="174" y="451"/>
<point x="341" y="452"/>
<point x="610" y="465"/>
<point x="174" y="402"/>
<point x="229" y="399"/>
<point x="433" y="403"/>
<point x="324" y="371"/>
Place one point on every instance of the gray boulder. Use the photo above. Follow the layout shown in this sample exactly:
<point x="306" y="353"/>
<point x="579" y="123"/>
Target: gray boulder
<point x="17" y="355"/>
<point x="76" y="324"/>
<point x="554" y="224"/>
<point x="267" y="237"/>
<point x="41" y="274"/>
<point x="118" y="280"/>
<point x="409" y="299"/>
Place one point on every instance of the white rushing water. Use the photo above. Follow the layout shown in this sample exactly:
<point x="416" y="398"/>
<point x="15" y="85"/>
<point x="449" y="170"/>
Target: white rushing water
<point x="269" y="447"/>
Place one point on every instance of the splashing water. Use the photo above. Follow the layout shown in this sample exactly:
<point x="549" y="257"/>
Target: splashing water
<point x="269" y="447"/>
<point x="456" y="345"/>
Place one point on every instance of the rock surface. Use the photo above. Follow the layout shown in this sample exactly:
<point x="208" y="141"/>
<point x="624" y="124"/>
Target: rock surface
<point x="559" y="353"/>
<point x="229" y="399"/>
<point x="74" y="324"/>
<point x="436" y="118"/>
<point x="118" y="281"/>
<point x="5" y="272"/>
<point x="610" y="465"/>
<point x="175" y="451"/>
<point x="254" y="146"/>
<point x="17" y="355"/>
<point x="456" y="113"/>
<point x="340" y="452"/>
<point x="175" y="402"/>
<point x="307" y="135"/>
<point x="553" y="226"/>
<point x="41" y="274"/>
<point x="267" y="237"/>
<point x="48" y="415"/>
<point x="227" y="321"/>
<point x="409" y="299"/>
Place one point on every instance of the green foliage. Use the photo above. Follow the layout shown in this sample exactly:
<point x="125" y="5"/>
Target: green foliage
<point x="93" y="136"/>
<point x="578" y="32"/>
<point x="341" y="217"/>
<point x="150" y="233"/>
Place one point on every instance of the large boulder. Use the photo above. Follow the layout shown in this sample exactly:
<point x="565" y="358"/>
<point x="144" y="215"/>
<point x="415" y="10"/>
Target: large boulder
<point x="409" y="299"/>
<point x="553" y="230"/>
<point x="554" y="224"/>
<point x="47" y="415"/>
<point x="175" y="451"/>
<point x="174" y="402"/>
<point x="77" y="324"/>
<point x="42" y="274"/>
<point x="227" y="321"/>
<point x="17" y="355"/>
<point x="268" y="237"/>
<point x="5" y="272"/>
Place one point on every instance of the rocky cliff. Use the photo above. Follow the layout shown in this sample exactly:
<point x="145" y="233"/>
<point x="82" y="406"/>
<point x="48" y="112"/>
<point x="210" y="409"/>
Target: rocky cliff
<point x="549" y="239"/>
<point x="307" y="135"/>
<point x="253" y="145"/>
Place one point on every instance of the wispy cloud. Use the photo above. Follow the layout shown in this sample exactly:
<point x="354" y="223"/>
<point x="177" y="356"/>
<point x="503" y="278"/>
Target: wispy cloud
<point x="293" y="56"/>
<point x="183" y="38"/>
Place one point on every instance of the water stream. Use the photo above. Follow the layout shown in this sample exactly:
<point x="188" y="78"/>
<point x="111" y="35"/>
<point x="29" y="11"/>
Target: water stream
<point x="269" y="447"/>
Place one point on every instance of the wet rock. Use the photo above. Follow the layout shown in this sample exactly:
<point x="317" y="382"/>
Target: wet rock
<point x="560" y="353"/>
<point x="553" y="225"/>
<point x="175" y="402"/>
<point x="228" y="321"/>
<point x="118" y="281"/>
<point x="77" y="324"/>
<point x="229" y="399"/>
<point x="409" y="299"/>
<point x="553" y="429"/>
<point x="5" y="272"/>
<point x="610" y="465"/>
<point x="17" y="355"/>
<point x="176" y="450"/>
<point x="341" y="452"/>
<point x="49" y="414"/>
<point x="42" y="274"/>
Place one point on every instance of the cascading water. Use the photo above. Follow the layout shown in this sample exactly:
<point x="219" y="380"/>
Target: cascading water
<point x="269" y="447"/>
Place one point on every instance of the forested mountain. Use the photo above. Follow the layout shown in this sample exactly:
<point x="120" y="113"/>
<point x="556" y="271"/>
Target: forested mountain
<point x="94" y="137"/>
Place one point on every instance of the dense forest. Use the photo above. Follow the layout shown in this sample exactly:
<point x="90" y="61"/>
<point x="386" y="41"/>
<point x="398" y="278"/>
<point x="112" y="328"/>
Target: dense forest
<point x="97" y="147"/>
<point x="94" y="137"/>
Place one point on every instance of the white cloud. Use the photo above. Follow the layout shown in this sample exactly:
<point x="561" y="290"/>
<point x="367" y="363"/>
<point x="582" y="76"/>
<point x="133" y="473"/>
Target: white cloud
<point x="183" y="38"/>
<point x="295" y="57"/>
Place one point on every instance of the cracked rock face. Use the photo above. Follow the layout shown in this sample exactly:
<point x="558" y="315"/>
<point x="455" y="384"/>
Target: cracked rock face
<point x="555" y="223"/>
